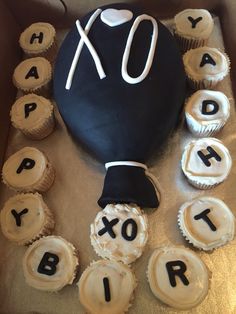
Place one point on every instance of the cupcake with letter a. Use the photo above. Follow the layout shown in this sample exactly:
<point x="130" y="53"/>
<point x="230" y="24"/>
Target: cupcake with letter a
<point x="33" y="75"/>
<point x="206" y="222"/>
<point x="25" y="218"/>
<point x="33" y="115"/>
<point x="193" y="27"/>
<point x="206" y="112"/>
<point x="50" y="263"/>
<point x="205" y="67"/>
<point x="206" y="162"/>
<point x="106" y="287"/>
<point x="178" y="277"/>
<point x="28" y="170"/>
<point x="39" y="39"/>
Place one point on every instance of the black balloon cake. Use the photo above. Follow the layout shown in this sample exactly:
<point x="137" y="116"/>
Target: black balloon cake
<point x="119" y="84"/>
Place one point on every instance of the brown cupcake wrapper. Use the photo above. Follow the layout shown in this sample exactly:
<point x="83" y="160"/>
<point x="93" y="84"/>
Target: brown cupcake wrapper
<point x="48" y="177"/>
<point x="45" y="129"/>
<point x="189" y="43"/>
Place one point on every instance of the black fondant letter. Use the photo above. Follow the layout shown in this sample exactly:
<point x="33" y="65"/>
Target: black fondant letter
<point x="17" y="216"/>
<point x="207" y="59"/>
<point x="212" y="154"/>
<point x="35" y="37"/>
<point x="108" y="227"/>
<point x="134" y="230"/>
<point x="205" y="107"/>
<point x="48" y="264"/>
<point x="29" y="107"/>
<point x="194" y="21"/>
<point x="33" y="72"/>
<point x="27" y="164"/>
<point x="107" y="290"/>
<point x="176" y="268"/>
<point x="203" y="216"/>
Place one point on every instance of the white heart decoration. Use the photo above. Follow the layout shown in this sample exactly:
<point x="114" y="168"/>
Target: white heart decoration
<point x="113" y="17"/>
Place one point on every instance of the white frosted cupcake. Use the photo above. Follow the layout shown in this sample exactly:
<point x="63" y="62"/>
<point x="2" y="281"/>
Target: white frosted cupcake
<point x="39" y="39"/>
<point x="119" y="232"/>
<point x="28" y="170"/>
<point x="33" y="75"/>
<point x="106" y="287"/>
<point x="178" y="277"/>
<point x="205" y="67"/>
<point x="206" y="112"/>
<point x="206" y="162"/>
<point x="33" y="115"/>
<point x="193" y="27"/>
<point x="50" y="263"/>
<point x="25" y="218"/>
<point x="206" y="222"/>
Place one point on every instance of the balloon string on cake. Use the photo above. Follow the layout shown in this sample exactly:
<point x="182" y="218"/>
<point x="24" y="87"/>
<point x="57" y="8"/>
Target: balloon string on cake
<point x="84" y="39"/>
<point x="151" y="176"/>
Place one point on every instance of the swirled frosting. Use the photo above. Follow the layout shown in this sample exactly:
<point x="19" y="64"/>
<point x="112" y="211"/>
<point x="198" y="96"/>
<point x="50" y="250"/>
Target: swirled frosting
<point x="128" y="233"/>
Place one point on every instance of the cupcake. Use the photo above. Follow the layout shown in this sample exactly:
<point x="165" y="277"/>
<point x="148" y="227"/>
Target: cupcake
<point x="33" y="75"/>
<point x="178" y="277"/>
<point x="205" y="67"/>
<point x="39" y="39"/>
<point x="28" y="170"/>
<point x="33" y="115"/>
<point x="206" y="163"/>
<point x="106" y="287"/>
<point x="25" y="218"/>
<point x="193" y="27"/>
<point x="206" y="112"/>
<point x="119" y="232"/>
<point x="206" y="222"/>
<point x="50" y="263"/>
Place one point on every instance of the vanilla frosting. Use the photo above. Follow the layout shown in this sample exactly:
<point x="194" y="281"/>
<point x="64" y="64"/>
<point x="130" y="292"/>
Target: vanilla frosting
<point x="194" y="23"/>
<point x="113" y="298"/>
<point x="195" y="169"/>
<point x="182" y="296"/>
<point x="37" y="37"/>
<point x="202" y="234"/>
<point x="65" y="267"/>
<point x="34" y="222"/>
<point x="27" y="177"/>
<point x="44" y="71"/>
<point x="201" y="122"/>
<point x="34" y="118"/>
<point x="192" y="60"/>
<point x="115" y="246"/>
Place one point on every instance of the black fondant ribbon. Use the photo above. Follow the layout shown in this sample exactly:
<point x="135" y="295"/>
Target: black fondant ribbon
<point x="127" y="184"/>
